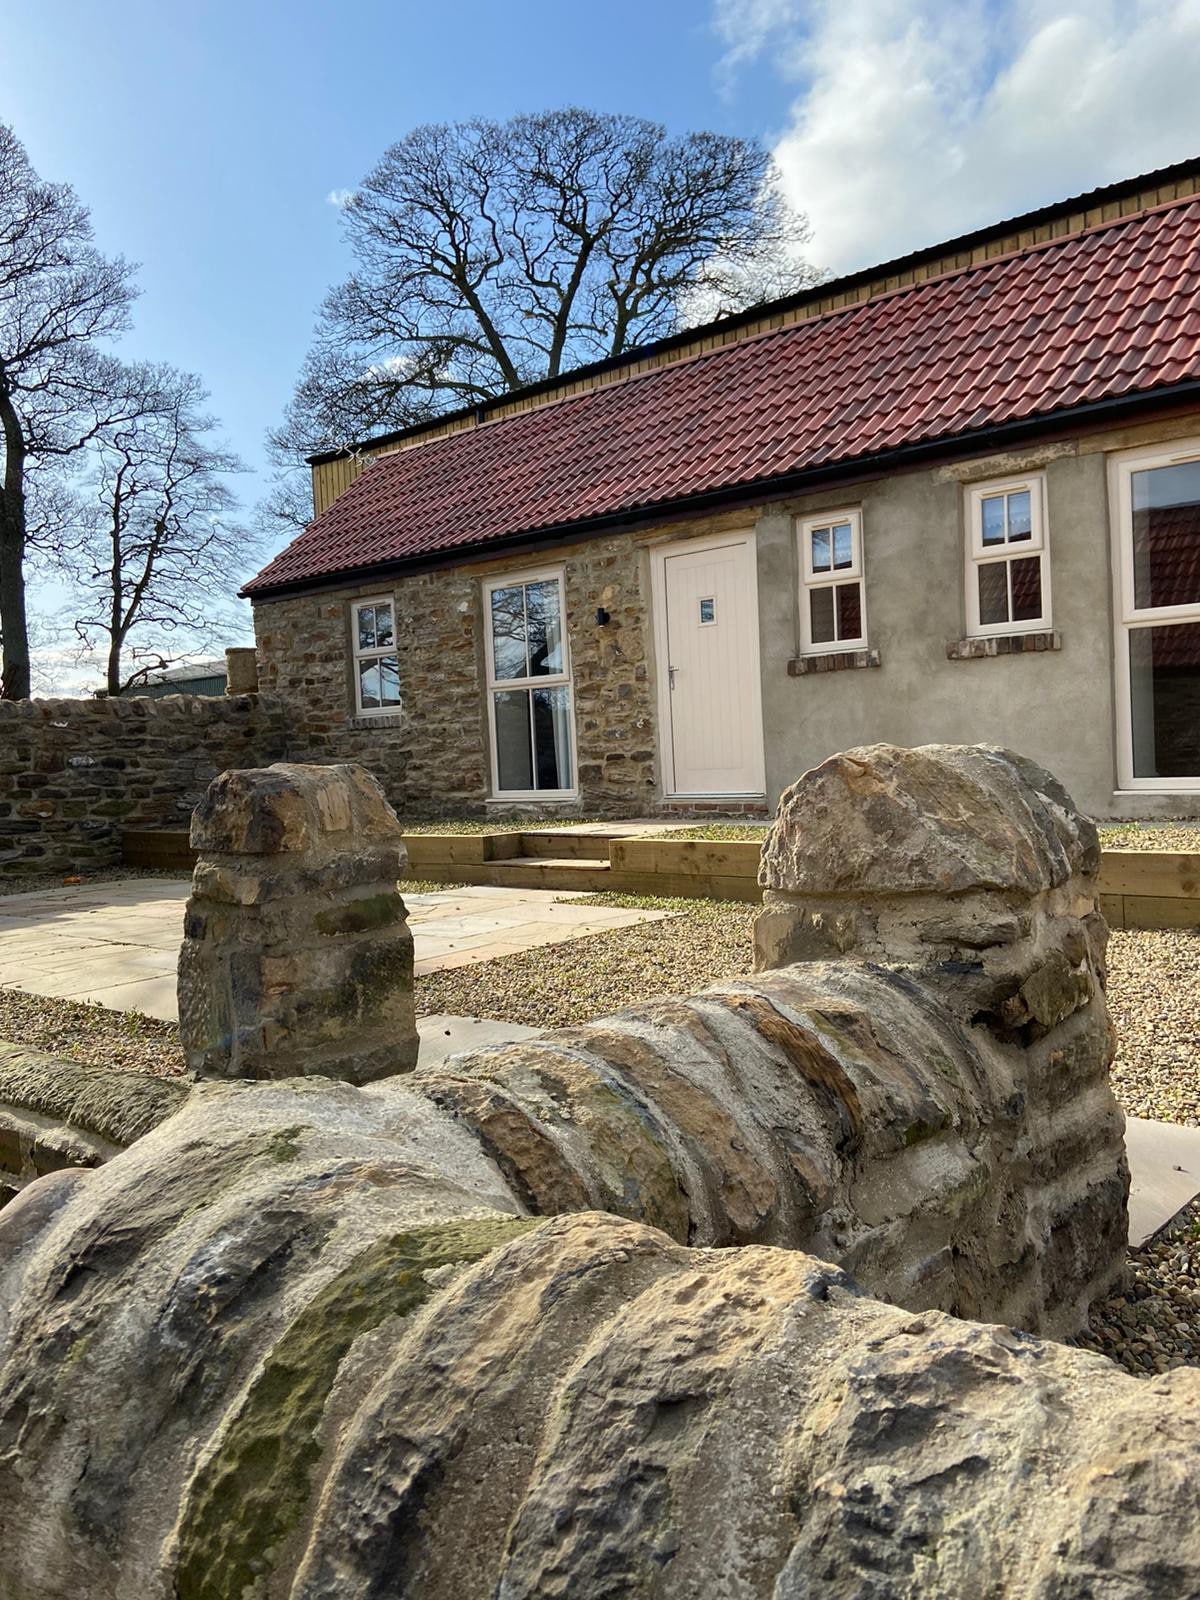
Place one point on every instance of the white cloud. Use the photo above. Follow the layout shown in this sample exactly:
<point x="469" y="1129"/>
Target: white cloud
<point x="339" y="197"/>
<point x="916" y="121"/>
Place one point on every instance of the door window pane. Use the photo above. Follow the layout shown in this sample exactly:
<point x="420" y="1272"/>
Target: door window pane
<point x="552" y="737"/>
<point x="993" y="592"/>
<point x="1166" y="536"/>
<point x="514" y="759"/>
<point x="849" y="611"/>
<point x="1164" y="683"/>
<point x="820" y="603"/>
<point x="1026" y="589"/>
<point x="508" y="633"/>
<point x="544" y="626"/>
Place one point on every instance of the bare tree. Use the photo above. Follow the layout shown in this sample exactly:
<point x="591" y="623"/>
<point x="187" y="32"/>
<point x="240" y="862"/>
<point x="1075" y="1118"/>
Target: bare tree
<point x="58" y="296"/>
<point x="489" y="255"/>
<point x="161" y="547"/>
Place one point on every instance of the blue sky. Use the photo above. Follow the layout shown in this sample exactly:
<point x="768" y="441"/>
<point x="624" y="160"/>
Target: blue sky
<point x="206" y="138"/>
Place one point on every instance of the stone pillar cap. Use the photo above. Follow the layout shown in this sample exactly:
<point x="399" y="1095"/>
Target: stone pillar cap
<point x="938" y="819"/>
<point x="287" y="808"/>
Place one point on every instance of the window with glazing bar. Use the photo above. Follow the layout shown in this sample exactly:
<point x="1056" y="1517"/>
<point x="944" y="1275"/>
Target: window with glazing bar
<point x="833" y="614"/>
<point x="529" y="688"/>
<point x="376" y="663"/>
<point x="1008" y="576"/>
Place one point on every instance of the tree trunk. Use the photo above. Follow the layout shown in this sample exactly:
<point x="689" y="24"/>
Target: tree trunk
<point x="15" y="679"/>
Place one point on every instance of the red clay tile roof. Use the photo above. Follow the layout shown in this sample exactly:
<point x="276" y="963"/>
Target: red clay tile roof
<point x="1103" y="314"/>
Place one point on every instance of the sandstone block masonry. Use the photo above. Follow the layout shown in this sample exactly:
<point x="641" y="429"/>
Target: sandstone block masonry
<point x="433" y="757"/>
<point x="74" y="774"/>
<point x="297" y="957"/>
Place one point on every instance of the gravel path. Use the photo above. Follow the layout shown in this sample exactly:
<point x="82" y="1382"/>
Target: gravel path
<point x="91" y="1034"/>
<point x="1154" y="999"/>
<point x="1169" y="835"/>
<point x="1154" y="1324"/>
<point x="31" y="882"/>
<point x="559" y="984"/>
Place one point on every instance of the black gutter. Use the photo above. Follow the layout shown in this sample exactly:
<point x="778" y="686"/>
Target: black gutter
<point x="478" y="411"/>
<point x="836" y="474"/>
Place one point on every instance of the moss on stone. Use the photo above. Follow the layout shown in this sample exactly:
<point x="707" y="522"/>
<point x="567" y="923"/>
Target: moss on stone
<point x="285" y="1144"/>
<point x="361" y="916"/>
<point x="120" y="1106"/>
<point x="250" y="1494"/>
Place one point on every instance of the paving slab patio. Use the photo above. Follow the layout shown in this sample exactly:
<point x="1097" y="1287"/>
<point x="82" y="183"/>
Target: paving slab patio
<point x="117" y="943"/>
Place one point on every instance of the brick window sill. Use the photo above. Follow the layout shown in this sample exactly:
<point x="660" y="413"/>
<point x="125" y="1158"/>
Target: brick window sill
<point x="1002" y="644"/>
<point x="376" y="722"/>
<point x="833" y="661"/>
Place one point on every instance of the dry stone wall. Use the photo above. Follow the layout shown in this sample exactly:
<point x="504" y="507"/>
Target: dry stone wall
<point x="301" y="1340"/>
<point x="74" y="774"/>
<point x="309" y="1340"/>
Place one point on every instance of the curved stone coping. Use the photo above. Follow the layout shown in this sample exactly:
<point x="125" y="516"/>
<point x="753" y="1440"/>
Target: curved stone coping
<point x="119" y="1106"/>
<point x="280" y="1372"/>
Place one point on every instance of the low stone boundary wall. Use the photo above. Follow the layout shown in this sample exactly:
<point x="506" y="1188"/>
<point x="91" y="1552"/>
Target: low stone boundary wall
<point x="311" y="1339"/>
<point x="56" y="1114"/>
<point x="75" y="774"/>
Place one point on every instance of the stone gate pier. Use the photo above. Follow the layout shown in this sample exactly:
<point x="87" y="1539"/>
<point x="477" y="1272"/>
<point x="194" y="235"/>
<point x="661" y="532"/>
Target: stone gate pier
<point x="297" y="957"/>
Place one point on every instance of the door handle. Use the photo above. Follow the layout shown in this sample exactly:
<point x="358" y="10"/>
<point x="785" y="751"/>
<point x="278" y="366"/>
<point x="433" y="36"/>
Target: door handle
<point x="671" y="671"/>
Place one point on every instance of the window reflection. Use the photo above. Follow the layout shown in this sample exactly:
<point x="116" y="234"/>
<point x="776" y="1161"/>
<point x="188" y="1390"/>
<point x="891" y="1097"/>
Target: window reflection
<point x="1166" y="536"/>
<point x="1164" y="682"/>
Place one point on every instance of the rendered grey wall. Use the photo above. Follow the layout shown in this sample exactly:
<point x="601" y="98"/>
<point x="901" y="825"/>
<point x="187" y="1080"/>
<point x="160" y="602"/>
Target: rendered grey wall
<point x="1054" y="706"/>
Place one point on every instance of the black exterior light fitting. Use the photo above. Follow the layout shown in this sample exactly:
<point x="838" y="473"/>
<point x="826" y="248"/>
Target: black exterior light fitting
<point x="602" y="617"/>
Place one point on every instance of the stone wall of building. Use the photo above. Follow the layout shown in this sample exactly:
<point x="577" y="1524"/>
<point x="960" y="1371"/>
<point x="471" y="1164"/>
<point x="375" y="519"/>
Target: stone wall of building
<point x="433" y="758"/>
<point x="75" y="774"/>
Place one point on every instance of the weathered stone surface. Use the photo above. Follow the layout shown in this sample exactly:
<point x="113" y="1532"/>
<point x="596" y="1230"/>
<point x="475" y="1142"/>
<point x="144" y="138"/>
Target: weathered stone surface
<point x="837" y="1107"/>
<point x="940" y="819"/>
<point x="241" y="670"/>
<point x="969" y="869"/>
<point x="297" y="957"/>
<point x="74" y="774"/>
<point x="341" y="1395"/>
<point x="56" y="1114"/>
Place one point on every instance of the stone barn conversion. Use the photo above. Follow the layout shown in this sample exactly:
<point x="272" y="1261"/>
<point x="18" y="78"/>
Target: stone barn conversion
<point x="952" y="498"/>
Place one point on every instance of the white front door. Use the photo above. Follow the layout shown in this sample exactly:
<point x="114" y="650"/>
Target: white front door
<point x="708" y="665"/>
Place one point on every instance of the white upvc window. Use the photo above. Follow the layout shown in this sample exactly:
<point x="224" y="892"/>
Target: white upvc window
<point x="375" y="660"/>
<point x="1008" y="557"/>
<point x="529" y="687"/>
<point x="833" y="608"/>
<point x="1155" y="499"/>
